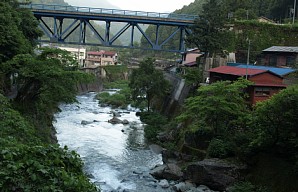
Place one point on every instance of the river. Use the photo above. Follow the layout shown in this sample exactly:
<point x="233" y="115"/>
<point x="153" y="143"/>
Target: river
<point x="116" y="157"/>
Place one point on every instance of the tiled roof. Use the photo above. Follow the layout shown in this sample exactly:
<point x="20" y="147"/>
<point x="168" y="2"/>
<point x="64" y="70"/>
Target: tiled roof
<point x="110" y="53"/>
<point x="94" y="52"/>
<point x="237" y="71"/>
<point x="281" y="49"/>
<point x="276" y="70"/>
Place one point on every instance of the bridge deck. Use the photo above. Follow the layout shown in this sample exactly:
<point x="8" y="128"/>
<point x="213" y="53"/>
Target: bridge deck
<point x="114" y="14"/>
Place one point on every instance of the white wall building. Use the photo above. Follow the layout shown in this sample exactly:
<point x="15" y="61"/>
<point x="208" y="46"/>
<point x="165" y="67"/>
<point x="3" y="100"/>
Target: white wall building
<point x="79" y="54"/>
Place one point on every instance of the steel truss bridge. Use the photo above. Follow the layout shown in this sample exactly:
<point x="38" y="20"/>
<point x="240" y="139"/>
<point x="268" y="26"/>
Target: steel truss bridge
<point x="68" y="20"/>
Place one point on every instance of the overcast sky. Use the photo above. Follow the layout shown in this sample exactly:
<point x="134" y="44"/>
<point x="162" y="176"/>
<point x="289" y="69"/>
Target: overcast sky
<point x="151" y="5"/>
<point x="134" y="5"/>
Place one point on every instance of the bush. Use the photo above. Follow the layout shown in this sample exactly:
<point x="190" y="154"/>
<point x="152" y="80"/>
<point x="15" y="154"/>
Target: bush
<point x="115" y="100"/>
<point x="154" y="122"/>
<point x="41" y="168"/>
<point x="120" y="84"/>
<point x="219" y="149"/>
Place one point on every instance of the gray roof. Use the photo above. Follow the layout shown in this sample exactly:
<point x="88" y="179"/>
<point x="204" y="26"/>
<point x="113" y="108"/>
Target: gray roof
<point x="282" y="49"/>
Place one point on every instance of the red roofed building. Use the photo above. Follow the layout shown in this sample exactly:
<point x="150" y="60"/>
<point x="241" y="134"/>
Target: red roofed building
<point x="101" y="58"/>
<point x="265" y="85"/>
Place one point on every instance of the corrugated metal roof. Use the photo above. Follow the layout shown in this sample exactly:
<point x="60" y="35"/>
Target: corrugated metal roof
<point x="281" y="49"/>
<point x="237" y="71"/>
<point x="276" y="70"/>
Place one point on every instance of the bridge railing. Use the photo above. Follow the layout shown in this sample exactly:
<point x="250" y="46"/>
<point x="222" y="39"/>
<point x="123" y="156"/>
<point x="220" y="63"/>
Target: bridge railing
<point x="109" y="11"/>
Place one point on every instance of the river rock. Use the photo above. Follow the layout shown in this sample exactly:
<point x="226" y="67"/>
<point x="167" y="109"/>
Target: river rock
<point x="203" y="188"/>
<point x="173" y="172"/>
<point x="164" y="183"/>
<point x="157" y="172"/>
<point x="169" y="171"/>
<point x="115" y="120"/>
<point x="156" y="148"/>
<point x="183" y="186"/>
<point x="180" y="187"/>
<point x="84" y="122"/>
<point x="125" y="122"/>
<point x="214" y="173"/>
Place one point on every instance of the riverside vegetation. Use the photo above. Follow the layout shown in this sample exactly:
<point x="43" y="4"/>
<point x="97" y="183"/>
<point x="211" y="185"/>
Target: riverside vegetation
<point x="223" y="126"/>
<point x="263" y="137"/>
<point x="31" y="88"/>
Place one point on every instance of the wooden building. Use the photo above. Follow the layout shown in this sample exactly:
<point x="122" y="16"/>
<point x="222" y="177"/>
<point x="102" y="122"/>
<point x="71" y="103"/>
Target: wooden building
<point x="279" y="56"/>
<point x="266" y="83"/>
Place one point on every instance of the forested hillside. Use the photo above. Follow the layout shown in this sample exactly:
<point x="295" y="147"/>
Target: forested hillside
<point x="277" y="10"/>
<point x="242" y="15"/>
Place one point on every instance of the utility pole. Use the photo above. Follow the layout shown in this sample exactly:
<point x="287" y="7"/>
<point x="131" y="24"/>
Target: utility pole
<point x="247" y="61"/>
<point x="294" y="12"/>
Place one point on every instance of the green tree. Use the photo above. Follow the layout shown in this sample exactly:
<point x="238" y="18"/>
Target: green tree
<point x="193" y="76"/>
<point x="208" y="32"/>
<point x="219" y="107"/>
<point x="18" y="30"/>
<point x="48" y="78"/>
<point x="276" y="122"/>
<point x="147" y="83"/>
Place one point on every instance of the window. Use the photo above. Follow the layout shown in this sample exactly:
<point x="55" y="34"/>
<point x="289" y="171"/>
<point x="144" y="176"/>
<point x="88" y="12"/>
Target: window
<point x="262" y="91"/>
<point x="290" y="61"/>
<point x="273" y="60"/>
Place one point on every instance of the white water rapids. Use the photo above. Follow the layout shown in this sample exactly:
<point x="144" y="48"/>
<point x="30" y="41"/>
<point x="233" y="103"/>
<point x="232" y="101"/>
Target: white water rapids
<point x="116" y="157"/>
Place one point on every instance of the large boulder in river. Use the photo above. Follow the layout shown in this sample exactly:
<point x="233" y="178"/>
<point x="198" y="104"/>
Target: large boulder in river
<point x="214" y="173"/>
<point x="169" y="171"/>
<point x="115" y="120"/>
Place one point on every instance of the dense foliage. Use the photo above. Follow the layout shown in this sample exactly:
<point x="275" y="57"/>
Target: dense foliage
<point x="276" y="123"/>
<point x="209" y="32"/>
<point x="35" y="81"/>
<point x="218" y="107"/>
<point x="245" y="134"/>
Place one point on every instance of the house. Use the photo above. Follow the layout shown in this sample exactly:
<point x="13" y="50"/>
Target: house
<point x="78" y="53"/>
<point x="193" y="57"/>
<point x="283" y="72"/>
<point x="190" y="57"/>
<point x="266" y="83"/>
<point x="101" y="58"/>
<point x="279" y="56"/>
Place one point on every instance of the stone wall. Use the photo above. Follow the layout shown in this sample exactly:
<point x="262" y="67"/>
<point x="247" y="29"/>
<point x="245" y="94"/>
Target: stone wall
<point x="94" y="86"/>
<point x="178" y="94"/>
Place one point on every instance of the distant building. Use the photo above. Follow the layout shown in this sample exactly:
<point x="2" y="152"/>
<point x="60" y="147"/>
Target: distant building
<point x="266" y="83"/>
<point x="78" y="53"/>
<point x="279" y="56"/>
<point x="193" y="57"/>
<point x="101" y="58"/>
<point x="190" y="57"/>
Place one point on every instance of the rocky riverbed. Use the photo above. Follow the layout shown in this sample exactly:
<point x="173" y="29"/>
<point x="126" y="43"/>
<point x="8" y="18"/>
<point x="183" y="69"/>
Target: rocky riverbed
<point x="117" y="157"/>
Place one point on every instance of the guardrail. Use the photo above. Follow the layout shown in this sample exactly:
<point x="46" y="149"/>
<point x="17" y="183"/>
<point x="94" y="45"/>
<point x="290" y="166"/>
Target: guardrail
<point x="109" y="11"/>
